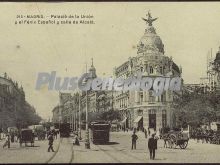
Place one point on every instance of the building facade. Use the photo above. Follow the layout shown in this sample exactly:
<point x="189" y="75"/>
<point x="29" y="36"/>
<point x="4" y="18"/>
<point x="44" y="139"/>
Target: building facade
<point x="12" y="104"/>
<point x="140" y="109"/>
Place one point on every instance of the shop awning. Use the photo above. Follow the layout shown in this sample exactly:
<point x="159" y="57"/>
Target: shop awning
<point x="124" y="120"/>
<point x="138" y="119"/>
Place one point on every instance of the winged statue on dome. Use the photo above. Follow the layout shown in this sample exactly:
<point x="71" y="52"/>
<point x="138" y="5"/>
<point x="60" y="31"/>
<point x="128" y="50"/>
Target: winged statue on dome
<point x="149" y="20"/>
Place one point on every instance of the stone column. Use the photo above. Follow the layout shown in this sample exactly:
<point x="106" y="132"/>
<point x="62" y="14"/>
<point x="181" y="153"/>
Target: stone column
<point x="136" y="97"/>
<point x="158" y="118"/>
<point x="147" y="96"/>
<point x="144" y="96"/>
<point x="145" y="118"/>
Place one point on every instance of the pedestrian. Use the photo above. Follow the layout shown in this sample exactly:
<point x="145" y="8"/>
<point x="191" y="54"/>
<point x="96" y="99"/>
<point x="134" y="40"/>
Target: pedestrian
<point x="12" y="137"/>
<point x="50" y="138"/>
<point x="165" y="138"/>
<point x="134" y="138"/>
<point x="148" y="131"/>
<point x="152" y="146"/>
<point x="76" y="140"/>
<point x="145" y="133"/>
<point x="7" y="142"/>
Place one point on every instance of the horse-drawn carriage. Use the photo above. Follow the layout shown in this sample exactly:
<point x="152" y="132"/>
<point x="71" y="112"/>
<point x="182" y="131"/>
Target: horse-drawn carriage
<point x="176" y="138"/>
<point x="39" y="131"/>
<point x="26" y="136"/>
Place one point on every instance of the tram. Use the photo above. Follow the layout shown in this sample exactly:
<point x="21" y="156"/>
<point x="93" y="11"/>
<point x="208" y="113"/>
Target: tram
<point x="99" y="131"/>
<point x="64" y="129"/>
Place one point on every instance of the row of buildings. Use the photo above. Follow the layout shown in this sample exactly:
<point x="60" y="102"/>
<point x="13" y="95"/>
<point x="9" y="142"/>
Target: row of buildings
<point x="140" y="109"/>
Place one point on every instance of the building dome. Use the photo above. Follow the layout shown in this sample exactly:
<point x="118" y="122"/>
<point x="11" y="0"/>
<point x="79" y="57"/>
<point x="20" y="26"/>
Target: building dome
<point x="150" y="40"/>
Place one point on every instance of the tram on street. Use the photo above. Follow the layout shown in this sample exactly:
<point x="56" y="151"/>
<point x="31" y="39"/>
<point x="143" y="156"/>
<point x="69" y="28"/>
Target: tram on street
<point x="99" y="131"/>
<point x="64" y="129"/>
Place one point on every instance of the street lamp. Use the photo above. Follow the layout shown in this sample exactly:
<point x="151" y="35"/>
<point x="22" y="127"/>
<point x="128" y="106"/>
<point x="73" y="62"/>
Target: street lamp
<point x="79" y="118"/>
<point x="87" y="143"/>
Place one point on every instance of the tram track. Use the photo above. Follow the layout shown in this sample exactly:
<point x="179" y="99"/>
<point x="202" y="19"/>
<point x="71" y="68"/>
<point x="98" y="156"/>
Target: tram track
<point x="51" y="158"/>
<point x="126" y="153"/>
<point x="72" y="154"/>
<point x="59" y="148"/>
<point x="110" y="155"/>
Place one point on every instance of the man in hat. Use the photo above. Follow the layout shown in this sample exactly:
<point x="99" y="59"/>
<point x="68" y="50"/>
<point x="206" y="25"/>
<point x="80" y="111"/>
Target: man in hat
<point x="152" y="146"/>
<point x="134" y="138"/>
<point x="50" y="138"/>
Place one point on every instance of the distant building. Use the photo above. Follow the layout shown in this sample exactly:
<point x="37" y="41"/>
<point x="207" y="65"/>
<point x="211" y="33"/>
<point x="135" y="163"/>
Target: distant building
<point x="98" y="101"/>
<point x="213" y="73"/>
<point x="56" y="114"/>
<point x="68" y="109"/>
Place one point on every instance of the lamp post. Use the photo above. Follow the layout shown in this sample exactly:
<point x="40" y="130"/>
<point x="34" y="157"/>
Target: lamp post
<point x="80" y="138"/>
<point x="87" y="143"/>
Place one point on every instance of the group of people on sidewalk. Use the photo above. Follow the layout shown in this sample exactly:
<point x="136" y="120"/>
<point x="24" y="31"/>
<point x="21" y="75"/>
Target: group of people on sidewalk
<point x="10" y="138"/>
<point x="152" y="144"/>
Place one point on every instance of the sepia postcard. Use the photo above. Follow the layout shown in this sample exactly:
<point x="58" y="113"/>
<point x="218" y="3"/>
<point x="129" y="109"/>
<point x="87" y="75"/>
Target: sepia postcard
<point x="109" y="82"/>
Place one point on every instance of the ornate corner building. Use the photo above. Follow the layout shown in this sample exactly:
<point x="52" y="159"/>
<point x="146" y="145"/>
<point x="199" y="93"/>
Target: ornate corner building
<point x="140" y="109"/>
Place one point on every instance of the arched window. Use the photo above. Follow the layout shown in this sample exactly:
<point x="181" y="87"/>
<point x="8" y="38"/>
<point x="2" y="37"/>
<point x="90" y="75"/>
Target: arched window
<point x="163" y="97"/>
<point x="161" y="70"/>
<point x="142" y="69"/>
<point x="151" y="97"/>
<point x="141" y="97"/>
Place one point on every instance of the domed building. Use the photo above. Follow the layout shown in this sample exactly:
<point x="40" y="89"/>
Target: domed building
<point x="141" y="109"/>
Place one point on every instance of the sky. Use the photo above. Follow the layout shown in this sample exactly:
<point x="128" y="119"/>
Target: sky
<point x="188" y="31"/>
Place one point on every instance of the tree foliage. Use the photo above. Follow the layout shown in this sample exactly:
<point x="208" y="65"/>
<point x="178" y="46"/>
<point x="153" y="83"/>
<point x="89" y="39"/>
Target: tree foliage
<point x="110" y="115"/>
<point x="106" y="115"/>
<point x="197" y="109"/>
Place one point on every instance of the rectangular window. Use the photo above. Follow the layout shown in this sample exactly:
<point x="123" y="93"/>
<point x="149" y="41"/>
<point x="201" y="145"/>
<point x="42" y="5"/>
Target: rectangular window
<point x="164" y="118"/>
<point x="151" y="97"/>
<point x="163" y="97"/>
<point x="141" y="97"/>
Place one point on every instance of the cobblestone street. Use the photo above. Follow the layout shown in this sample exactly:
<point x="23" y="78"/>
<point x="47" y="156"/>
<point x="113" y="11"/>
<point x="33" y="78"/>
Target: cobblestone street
<point x="117" y="151"/>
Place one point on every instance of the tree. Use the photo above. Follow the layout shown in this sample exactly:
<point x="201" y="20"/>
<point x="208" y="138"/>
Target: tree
<point x="197" y="109"/>
<point x="110" y="115"/>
